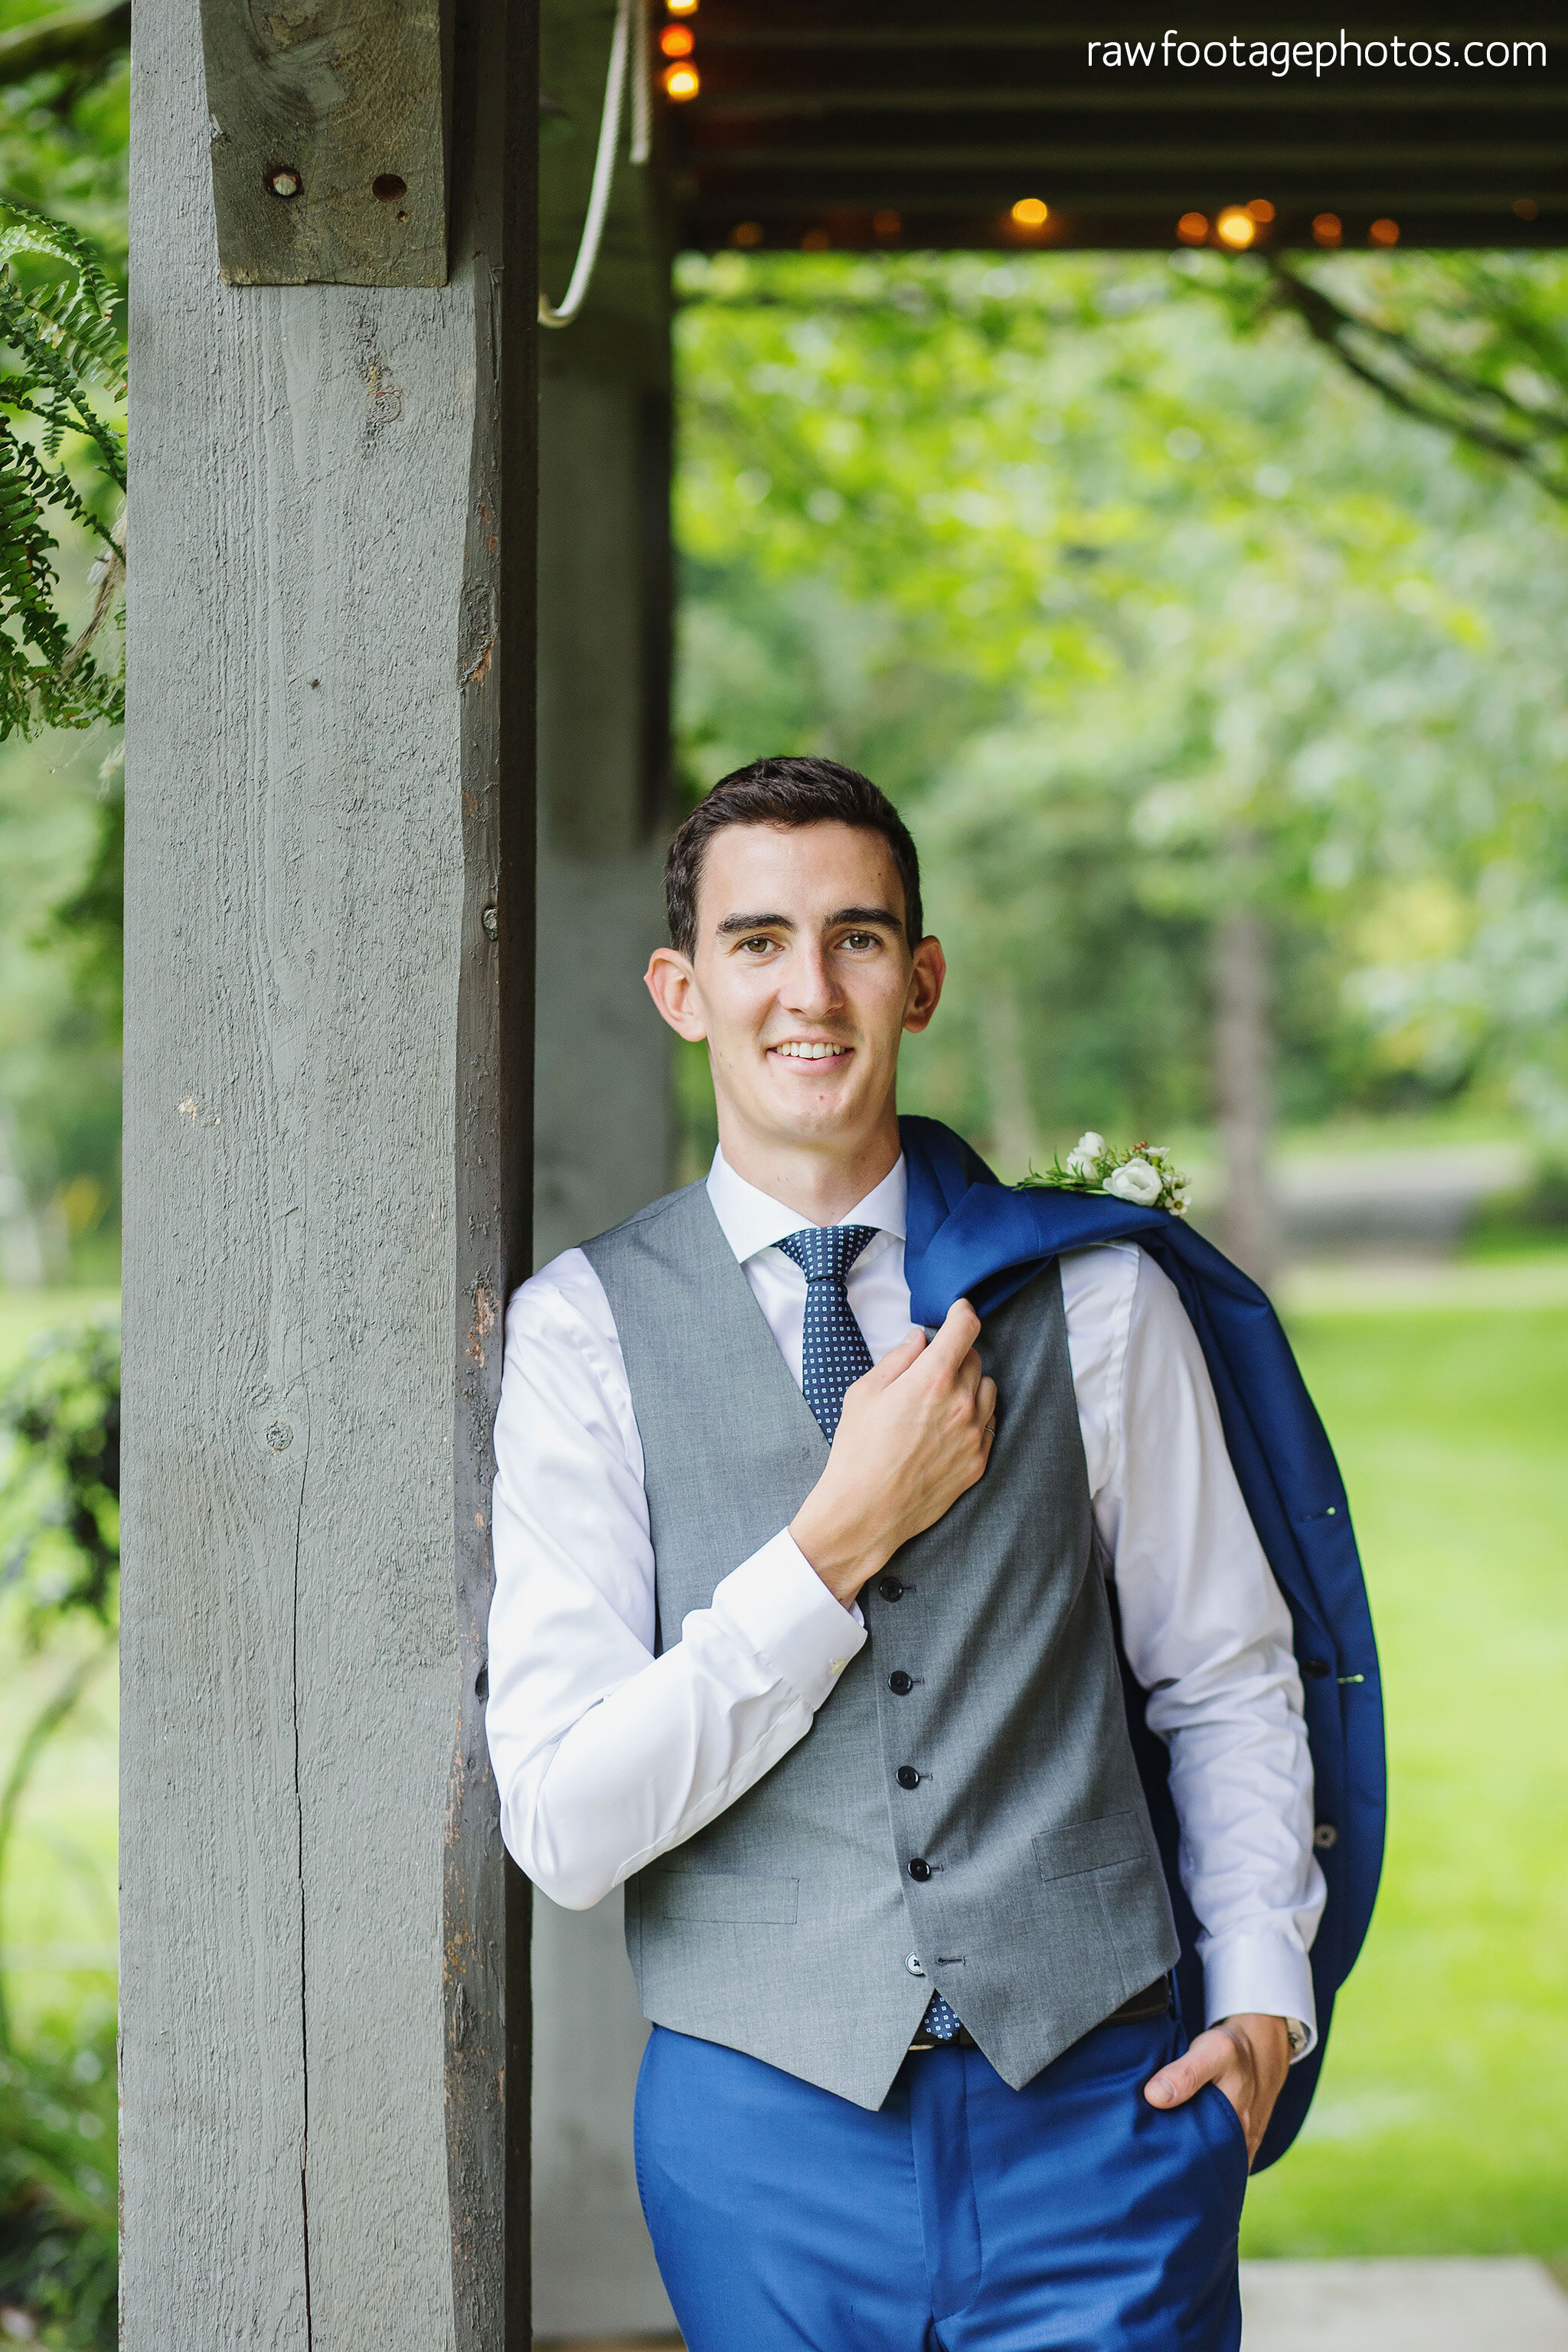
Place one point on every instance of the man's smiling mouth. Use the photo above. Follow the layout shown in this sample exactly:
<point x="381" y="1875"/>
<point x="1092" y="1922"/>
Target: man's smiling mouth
<point x="801" y="1049"/>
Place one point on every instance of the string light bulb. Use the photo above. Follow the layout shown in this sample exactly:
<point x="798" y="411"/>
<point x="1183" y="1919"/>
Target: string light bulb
<point x="681" y="7"/>
<point x="681" y="83"/>
<point x="677" y="41"/>
<point x="1261" y="210"/>
<point x="1193" y="228"/>
<point x="1030" y="212"/>
<point x="1327" y="228"/>
<point x="1236" y="227"/>
<point x="1384" y="232"/>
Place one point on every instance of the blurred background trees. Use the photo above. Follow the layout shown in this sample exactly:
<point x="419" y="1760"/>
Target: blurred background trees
<point x="63" y="122"/>
<point x="64" y="85"/>
<point x="1225" y="704"/>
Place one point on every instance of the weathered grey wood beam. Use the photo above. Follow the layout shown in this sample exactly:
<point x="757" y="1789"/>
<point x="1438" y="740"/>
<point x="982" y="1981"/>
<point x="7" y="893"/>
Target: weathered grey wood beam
<point x="604" y="1131"/>
<point x="329" y="956"/>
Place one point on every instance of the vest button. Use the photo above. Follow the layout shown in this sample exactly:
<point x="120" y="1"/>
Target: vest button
<point x="907" y="1777"/>
<point x="900" y="1683"/>
<point x="918" y="1869"/>
<point x="890" y="1589"/>
<point x="915" y="1965"/>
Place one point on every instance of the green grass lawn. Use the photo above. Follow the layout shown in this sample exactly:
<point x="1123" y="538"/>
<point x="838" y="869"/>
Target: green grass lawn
<point x="1441" y="2125"/>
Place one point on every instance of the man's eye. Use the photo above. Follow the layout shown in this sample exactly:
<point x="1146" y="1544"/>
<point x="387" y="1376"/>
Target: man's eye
<point x="757" y="946"/>
<point x="861" y="940"/>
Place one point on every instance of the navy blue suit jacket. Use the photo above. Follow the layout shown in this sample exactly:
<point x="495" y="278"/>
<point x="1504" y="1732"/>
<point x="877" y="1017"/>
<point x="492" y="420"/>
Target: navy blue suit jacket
<point x="970" y="1236"/>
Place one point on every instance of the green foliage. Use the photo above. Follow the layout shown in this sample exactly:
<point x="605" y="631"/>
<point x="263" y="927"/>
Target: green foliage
<point x="60" y="1480"/>
<point x="60" y="324"/>
<point x="1143" y="605"/>
<point x="58" y="2251"/>
<point x="65" y="126"/>
<point x="1474" y="342"/>
<point x="90" y="922"/>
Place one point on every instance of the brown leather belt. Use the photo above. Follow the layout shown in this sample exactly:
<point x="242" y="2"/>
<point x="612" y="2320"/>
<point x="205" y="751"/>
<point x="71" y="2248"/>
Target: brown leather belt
<point x="1154" y="2001"/>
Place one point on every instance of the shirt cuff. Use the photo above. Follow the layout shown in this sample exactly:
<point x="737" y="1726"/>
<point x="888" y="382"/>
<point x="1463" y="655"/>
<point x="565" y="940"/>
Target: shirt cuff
<point x="1261" y="1976"/>
<point x="787" y="1617"/>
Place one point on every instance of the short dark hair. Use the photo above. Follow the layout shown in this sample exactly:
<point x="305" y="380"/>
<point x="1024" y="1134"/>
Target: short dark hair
<point x="786" y="791"/>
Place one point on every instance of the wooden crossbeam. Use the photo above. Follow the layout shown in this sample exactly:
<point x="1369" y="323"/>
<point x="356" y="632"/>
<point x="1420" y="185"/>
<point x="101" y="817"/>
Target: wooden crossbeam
<point x="812" y="120"/>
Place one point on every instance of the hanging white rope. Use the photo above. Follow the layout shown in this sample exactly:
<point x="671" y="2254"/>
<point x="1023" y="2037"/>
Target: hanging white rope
<point x="626" y="12"/>
<point x="642" y="87"/>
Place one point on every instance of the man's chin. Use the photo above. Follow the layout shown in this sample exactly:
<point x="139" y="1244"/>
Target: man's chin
<point x="798" y="1111"/>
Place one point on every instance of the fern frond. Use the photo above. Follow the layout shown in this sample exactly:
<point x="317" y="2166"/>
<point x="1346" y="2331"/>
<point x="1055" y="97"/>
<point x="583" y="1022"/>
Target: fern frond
<point x="60" y="323"/>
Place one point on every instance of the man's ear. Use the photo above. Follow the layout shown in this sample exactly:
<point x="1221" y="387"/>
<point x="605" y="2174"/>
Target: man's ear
<point x="672" y="984"/>
<point x="925" y="985"/>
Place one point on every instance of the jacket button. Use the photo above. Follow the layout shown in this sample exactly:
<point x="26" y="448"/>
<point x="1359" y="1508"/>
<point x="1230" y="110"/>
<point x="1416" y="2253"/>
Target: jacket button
<point x="918" y="1869"/>
<point x="907" y="1777"/>
<point x="915" y="1965"/>
<point x="890" y="1589"/>
<point x="1316" y="1667"/>
<point x="901" y="1682"/>
<point x="1324" y="1836"/>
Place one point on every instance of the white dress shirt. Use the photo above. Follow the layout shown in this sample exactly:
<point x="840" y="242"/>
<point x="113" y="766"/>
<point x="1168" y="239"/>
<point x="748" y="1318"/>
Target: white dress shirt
<point x="606" y="1756"/>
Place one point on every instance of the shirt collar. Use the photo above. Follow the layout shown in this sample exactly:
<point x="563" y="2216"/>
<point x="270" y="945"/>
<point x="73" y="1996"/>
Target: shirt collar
<point x="752" y="1221"/>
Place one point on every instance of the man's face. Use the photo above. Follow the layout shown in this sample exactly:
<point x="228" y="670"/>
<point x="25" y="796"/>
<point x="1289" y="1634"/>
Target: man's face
<point x="802" y="982"/>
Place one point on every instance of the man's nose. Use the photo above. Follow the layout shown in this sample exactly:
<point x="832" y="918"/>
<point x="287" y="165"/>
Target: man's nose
<point x="812" y="988"/>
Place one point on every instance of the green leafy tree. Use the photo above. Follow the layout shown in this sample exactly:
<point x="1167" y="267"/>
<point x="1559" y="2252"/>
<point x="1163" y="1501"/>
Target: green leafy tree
<point x="64" y="87"/>
<point x="1476" y="343"/>
<point x="1186" y="633"/>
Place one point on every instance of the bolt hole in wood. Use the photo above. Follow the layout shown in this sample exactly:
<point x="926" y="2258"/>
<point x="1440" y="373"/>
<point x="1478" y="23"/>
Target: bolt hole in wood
<point x="281" y="179"/>
<point x="386" y="187"/>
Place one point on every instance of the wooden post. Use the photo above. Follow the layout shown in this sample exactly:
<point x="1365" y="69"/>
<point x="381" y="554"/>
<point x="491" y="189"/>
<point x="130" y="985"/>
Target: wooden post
<point x="330" y="957"/>
<point x="603" y="1130"/>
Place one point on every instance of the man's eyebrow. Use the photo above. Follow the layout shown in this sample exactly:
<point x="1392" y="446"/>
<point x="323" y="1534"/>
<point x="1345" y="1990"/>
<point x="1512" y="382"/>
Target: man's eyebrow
<point x="869" y="915"/>
<point x="733" y="923"/>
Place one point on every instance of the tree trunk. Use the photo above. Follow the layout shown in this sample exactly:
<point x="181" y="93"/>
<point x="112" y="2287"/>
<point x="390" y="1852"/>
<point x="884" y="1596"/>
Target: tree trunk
<point x="21" y="1251"/>
<point x="1007" y="1082"/>
<point x="1243" y="1091"/>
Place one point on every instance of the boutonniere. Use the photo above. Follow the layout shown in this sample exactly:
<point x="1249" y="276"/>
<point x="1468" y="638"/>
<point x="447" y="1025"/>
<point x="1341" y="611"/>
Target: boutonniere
<point x="1144" y="1173"/>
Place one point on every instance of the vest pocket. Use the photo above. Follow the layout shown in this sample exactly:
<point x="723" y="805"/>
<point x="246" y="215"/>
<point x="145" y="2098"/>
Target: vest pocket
<point x="1090" y="1845"/>
<point x="720" y="1898"/>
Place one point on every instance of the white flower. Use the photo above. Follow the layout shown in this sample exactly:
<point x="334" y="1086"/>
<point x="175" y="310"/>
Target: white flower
<point x="1136" y="1181"/>
<point x="1080" y="1159"/>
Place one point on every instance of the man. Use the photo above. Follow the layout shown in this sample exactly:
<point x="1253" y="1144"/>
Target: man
<point x="805" y="1631"/>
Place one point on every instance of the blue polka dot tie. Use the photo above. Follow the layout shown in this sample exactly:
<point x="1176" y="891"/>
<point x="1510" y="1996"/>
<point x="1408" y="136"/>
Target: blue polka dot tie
<point x="939" y="2022"/>
<point x="835" y="1350"/>
<point x="833" y="1354"/>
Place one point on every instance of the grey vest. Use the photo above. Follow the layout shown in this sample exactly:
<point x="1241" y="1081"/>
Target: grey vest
<point x="791" y="1927"/>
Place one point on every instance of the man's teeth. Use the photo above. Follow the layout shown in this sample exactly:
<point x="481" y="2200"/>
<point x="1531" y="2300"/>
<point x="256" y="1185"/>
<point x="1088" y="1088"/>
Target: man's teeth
<point x="802" y="1052"/>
